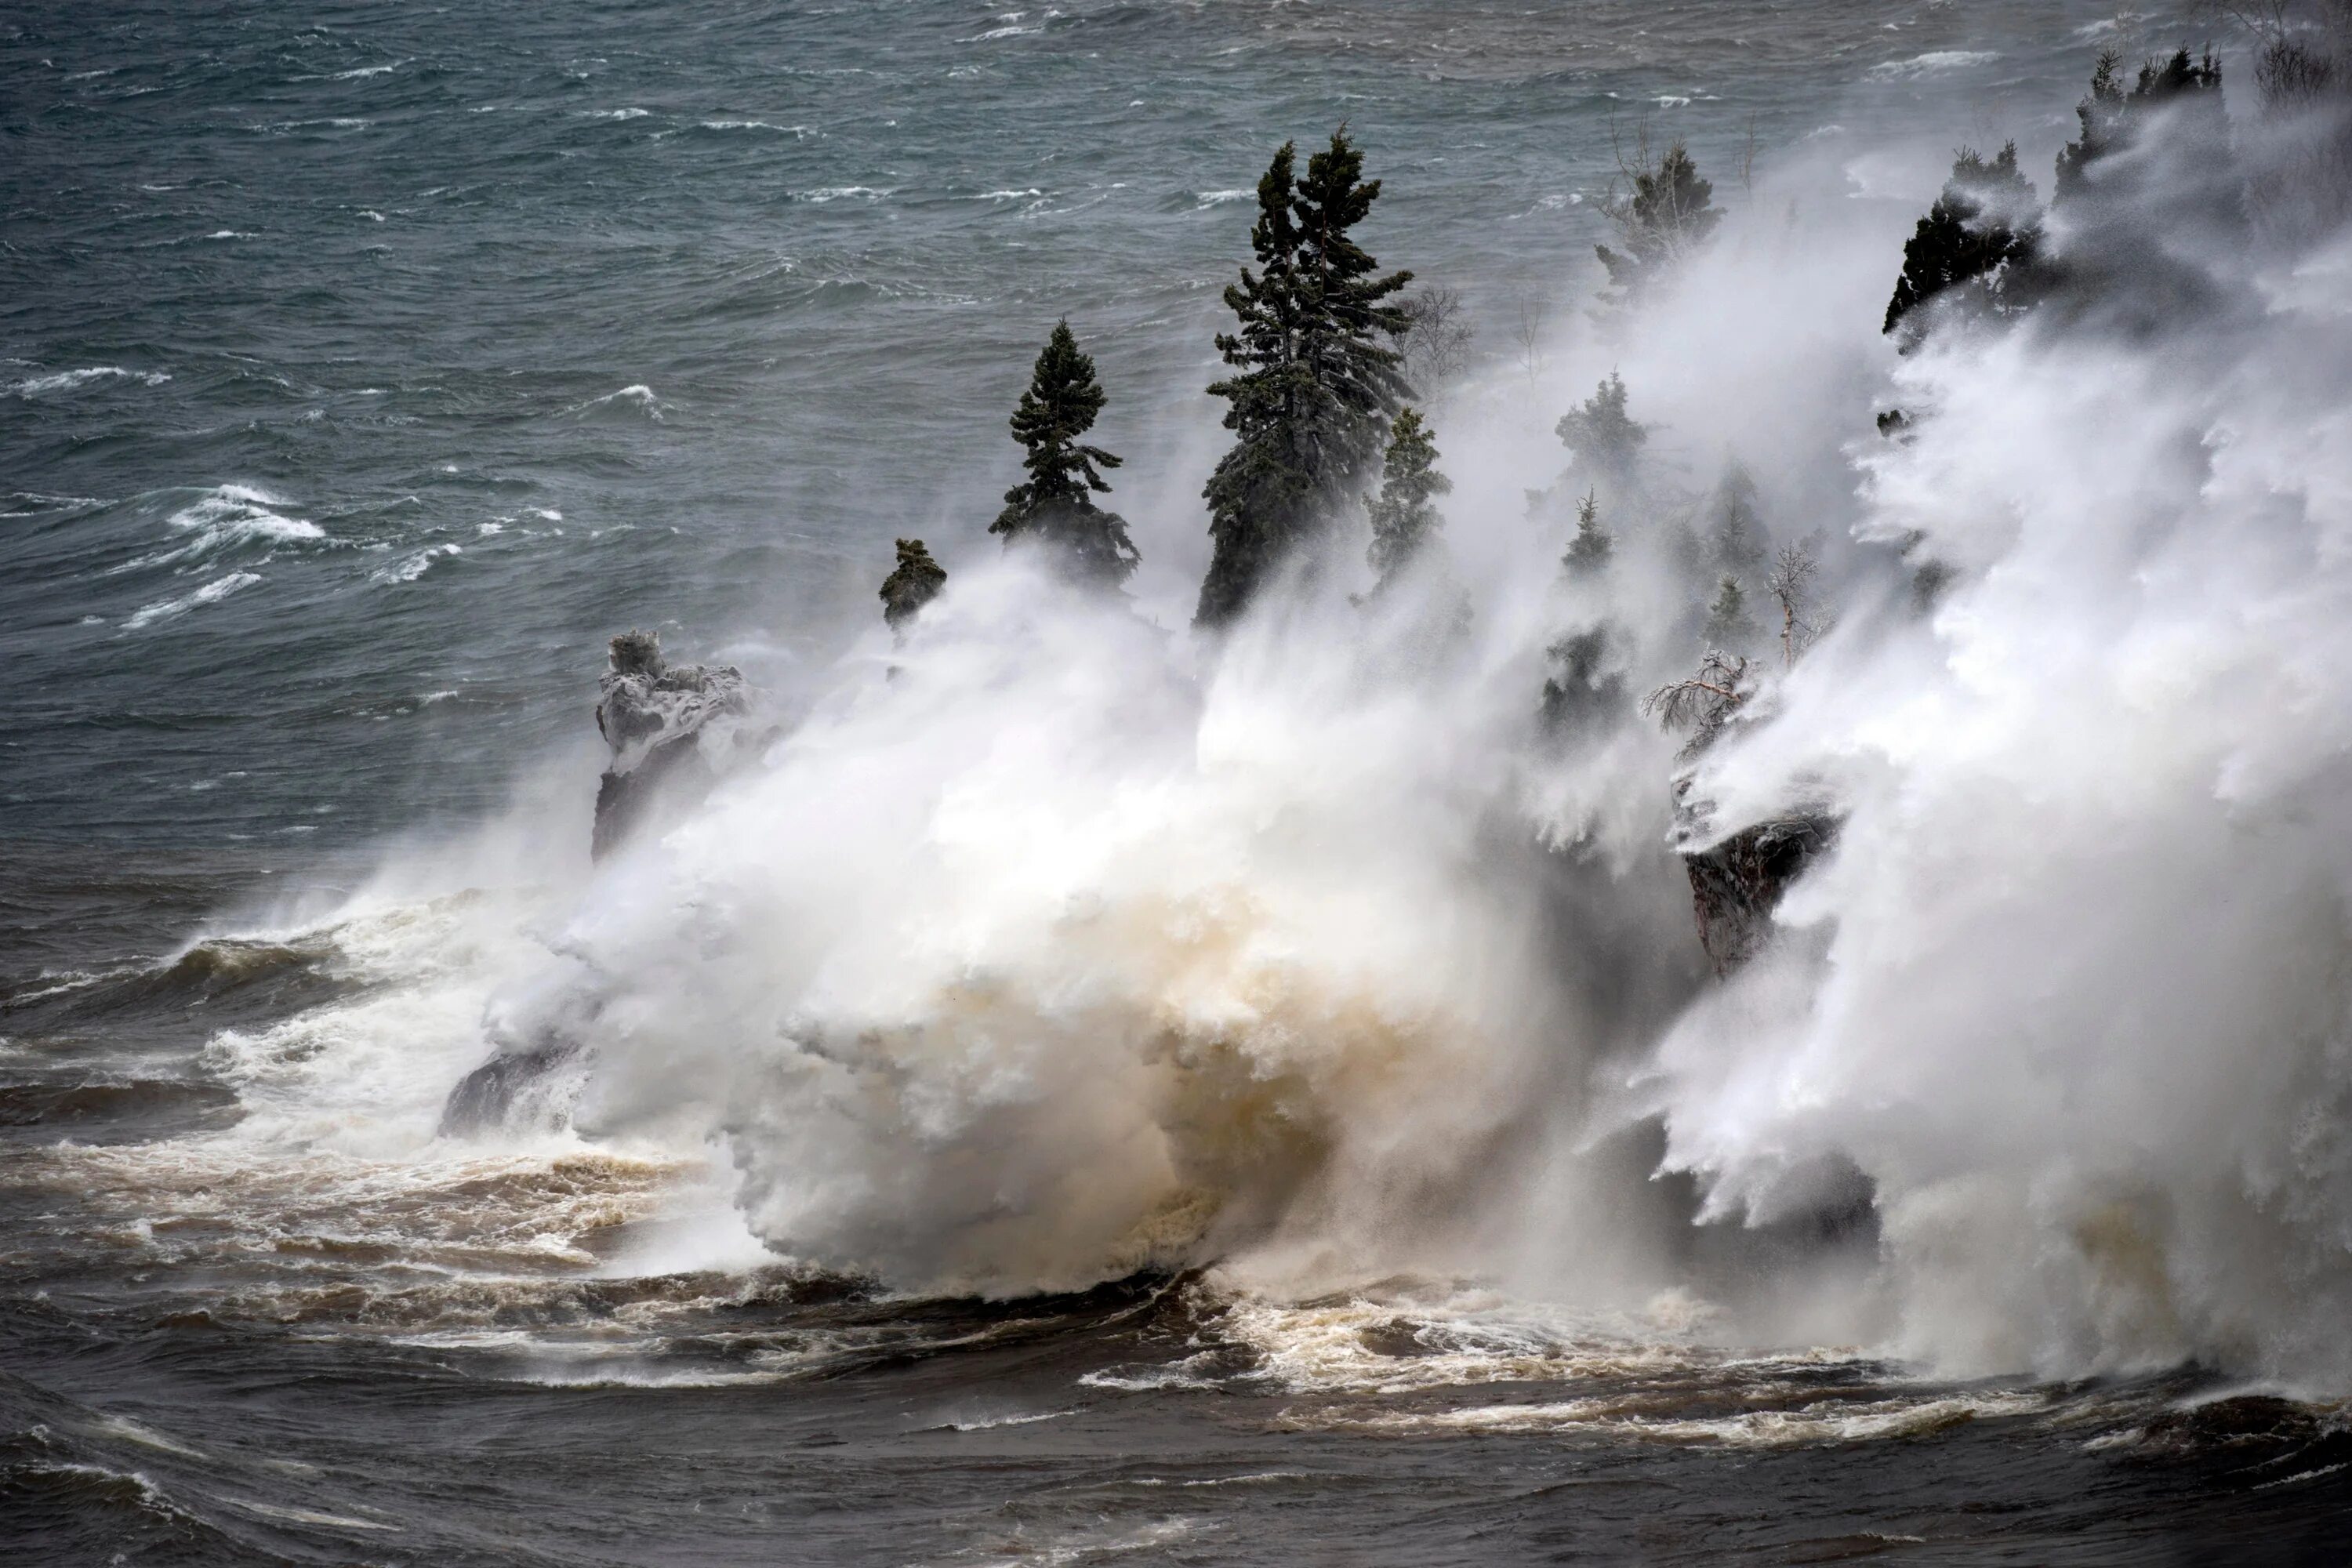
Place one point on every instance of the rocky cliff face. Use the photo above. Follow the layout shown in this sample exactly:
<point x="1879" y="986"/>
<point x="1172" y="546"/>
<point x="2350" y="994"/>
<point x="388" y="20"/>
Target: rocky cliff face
<point x="1736" y="883"/>
<point x="663" y="722"/>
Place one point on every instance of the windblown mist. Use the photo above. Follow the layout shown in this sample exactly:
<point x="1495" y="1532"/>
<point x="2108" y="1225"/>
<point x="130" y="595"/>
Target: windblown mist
<point x="1804" y="1012"/>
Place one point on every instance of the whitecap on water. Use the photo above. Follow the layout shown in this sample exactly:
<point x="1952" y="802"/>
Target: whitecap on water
<point x="1936" y="62"/>
<point x="409" y="568"/>
<point x="74" y="379"/>
<point x="212" y="593"/>
<point x="225" y="518"/>
<point x="638" y="398"/>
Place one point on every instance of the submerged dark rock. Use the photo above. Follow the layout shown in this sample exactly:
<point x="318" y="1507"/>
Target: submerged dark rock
<point x="661" y="720"/>
<point x="1736" y="883"/>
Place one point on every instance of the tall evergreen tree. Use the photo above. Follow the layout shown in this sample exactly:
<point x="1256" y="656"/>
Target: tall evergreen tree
<point x="1316" y="380"/>
<point x="1404" y="513"/>
<point x="1984" y="230"/>
<point x="1056" y="505"/>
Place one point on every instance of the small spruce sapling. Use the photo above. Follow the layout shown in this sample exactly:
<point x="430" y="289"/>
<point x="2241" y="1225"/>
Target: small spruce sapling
<point x="1055" y="504"/>
<point x="1737" y="542"/>
<point x="1727" y="622"/>
<point x="1404" y="513"/>
<point x="1590" y="551"/>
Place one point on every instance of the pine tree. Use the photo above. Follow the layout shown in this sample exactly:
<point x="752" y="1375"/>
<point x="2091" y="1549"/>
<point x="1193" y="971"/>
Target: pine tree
<point x="1403" y="513"/>
<point x="914" y="583"/>
<point x="1728" y="624"/>
<point x="1737" y="544"/>
<point x="1056" y="504"/>
<point x="1601" y="432"/>
<point x="1667" y="214"/>
<point x="1984" y="231"/>
<point x="1589" y="552"/>
<point x="1316" y="380"/>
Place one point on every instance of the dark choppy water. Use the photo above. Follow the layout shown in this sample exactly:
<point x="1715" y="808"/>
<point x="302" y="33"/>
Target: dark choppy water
<point x="362" y="368"/>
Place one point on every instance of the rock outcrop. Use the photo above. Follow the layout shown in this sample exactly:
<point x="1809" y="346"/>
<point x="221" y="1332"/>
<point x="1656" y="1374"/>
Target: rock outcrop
<point x="513" y="1089"/>
<point x="915" y="581"/>
<point x="1736" y="883"/>
<point x="663" y="722"/>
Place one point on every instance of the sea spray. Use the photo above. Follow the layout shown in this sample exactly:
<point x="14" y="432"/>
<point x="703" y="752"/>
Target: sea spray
<point x="1080" y="946"/>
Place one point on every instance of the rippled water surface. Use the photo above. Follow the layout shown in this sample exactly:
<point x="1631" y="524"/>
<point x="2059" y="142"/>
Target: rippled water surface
<point x="361" y="369"/>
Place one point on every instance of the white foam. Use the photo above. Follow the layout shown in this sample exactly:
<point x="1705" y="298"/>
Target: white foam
<point x="225" y="518"/>
<point x="212" y="593"/>
<point x="800" y="132"/>
<point x="825" y="194"/>
<point x="1936" y="62"/>
<point x="638" y="396"/>
<point x="409" y="568"/>
<point x="73" y="379"/>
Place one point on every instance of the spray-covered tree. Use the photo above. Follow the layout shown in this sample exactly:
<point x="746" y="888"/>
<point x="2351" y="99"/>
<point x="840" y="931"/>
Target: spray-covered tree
<point x="1056" y="505"/>
<point x="1437" y="338"/>
<point x="1790" y="584"/>
<point x="1736" y="541"/>
<point x="2299" y="182"/>
<point x="2111" y="116"/>
<point x="1581" y="687"/>
<point x="1727" y="622"/>
<point x="1661" y="213"/>
<point x="1404" y="513"/>
<point x="2152" y="183"/>
<point x="1703" y="703"/>
<point x="1984" y="232"/>
<point x="1601" y="432"/>
<point x="915" y="581"/>
<point x="1317" y="379"/>
<point x="1590" y="551"/>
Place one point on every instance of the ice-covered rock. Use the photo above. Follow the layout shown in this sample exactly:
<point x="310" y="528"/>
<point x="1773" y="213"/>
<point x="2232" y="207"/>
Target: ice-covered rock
<point x="669" y="727"/>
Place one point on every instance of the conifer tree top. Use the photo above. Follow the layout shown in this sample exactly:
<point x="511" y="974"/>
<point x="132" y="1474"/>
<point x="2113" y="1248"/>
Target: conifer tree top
<point x="1601" y="432"/>
<point x="1055" y="503"/>
<point x="1983" y="225"/>
<point x="1315" y="379"/>
<point x="1063" y="399"/>
<point x="1590" y="549"/>
<point x="1667" y="213"/>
